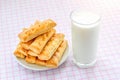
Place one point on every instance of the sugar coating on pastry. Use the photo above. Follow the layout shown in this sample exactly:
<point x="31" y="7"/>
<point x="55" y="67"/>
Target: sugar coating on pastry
<point x="39" y="43"/>
<point x="36" y="30"/>
<point x="51" y="47"/>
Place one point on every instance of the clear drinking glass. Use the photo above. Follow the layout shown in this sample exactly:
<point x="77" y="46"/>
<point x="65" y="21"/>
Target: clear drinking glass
<point x="85" y="32"/>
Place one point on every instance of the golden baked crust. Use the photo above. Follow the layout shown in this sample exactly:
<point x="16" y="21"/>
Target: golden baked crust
<point x="40" y="62"/>
<point x="39" y="43"/>
<point x="26" y="45"/>
<point x="37" y="22"/>
<point x="20" y="50"/>
<point x="54" y="60"/>
<point x="30" y="59"/>
<point x="31" y="53"/>
<point x="51" y="47"/>
<point x="36" y="30"/>
<point x="17" y="54"/>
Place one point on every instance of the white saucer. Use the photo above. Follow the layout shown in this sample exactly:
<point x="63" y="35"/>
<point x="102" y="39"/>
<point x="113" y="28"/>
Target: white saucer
<point x="38" y="67"/>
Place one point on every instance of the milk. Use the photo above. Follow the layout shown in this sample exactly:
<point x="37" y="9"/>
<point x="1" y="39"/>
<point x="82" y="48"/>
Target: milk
<point x="85" y="30"/>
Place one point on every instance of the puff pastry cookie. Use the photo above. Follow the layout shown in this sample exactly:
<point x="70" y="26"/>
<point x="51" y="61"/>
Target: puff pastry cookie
<point x="54" y="60"/>
<point x="51" y="47"/>
<point x="39" y="43"/>
<point x="36" y="30"/>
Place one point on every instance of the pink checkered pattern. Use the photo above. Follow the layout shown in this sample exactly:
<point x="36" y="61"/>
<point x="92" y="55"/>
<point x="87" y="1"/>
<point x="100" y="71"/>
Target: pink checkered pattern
<point x="16" y="14"/>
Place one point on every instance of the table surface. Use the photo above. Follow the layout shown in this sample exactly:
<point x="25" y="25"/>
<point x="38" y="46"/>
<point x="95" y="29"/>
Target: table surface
<point x="14" y="15"/>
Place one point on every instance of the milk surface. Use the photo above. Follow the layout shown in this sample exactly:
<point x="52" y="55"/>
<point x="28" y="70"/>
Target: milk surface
<point x="85" y="29"/>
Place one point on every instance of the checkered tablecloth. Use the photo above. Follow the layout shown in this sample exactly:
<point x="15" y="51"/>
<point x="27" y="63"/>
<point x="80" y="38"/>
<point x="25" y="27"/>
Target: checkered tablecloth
<point x="16" y="14"/>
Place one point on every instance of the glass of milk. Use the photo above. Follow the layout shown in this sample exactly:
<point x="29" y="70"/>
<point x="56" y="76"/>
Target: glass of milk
<point x="85" y="31"/>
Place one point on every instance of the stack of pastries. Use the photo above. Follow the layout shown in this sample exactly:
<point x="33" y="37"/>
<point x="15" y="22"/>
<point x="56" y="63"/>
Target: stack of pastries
<point x="40" y="44"/>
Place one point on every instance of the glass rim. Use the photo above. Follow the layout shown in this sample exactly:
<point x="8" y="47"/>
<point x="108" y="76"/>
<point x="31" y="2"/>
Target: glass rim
<point x="82" y="23"/>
